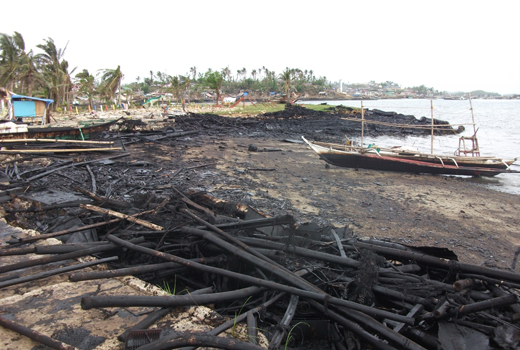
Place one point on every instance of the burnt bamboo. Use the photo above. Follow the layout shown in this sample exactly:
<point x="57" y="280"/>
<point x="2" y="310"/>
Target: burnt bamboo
<point x="252" y="329"/>
<point x="301" y="251"/>
<point x="383" y="331"/>
<point x="54" y="272"/>
<point x="16" y="251"/>
<point x="66" y="248"/>
<point x="265" y="263"/>
<point x="499" y="292"/>
<point x="352" y="326"/>
<point x="156" y="316"/>
<point x="451" y="265"/>
<point x="88" y="303"/>
<point x="136" y="270"/>
<point x="263" y="283"/>
<point x="230" y="323"/>
<point x="34" y="335"/>
<point x="61" y="257"/>
<point x="505" y="300"/>
<point x="463" y="284"/>
<point x="230" y="238"/>
<point x="281" y="331"/>
<point x="130" y="218"/>
<point x="61" y="233"/>
<point x="201" y="339"/>
<point x="75" y="164"/>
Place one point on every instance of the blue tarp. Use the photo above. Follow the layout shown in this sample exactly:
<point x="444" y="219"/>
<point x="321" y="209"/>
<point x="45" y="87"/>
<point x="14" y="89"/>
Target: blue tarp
<point x="24" y="108"/>
<point x="46" y="100"/>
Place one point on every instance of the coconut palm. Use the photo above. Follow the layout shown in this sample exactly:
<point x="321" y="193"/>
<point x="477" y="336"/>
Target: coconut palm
<point x="111" y="83"/>
<point x="55" y="70"/>
<point x="87" y="85"/>
<point x="286" y="78"/>
<point x="12" y="49"/>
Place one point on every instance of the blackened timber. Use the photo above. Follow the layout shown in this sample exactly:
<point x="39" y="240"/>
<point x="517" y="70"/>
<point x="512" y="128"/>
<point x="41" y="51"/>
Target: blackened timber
<point x="88" y="303"/>
<point x="61" y="257"/>
<point x="452" y="265"/>
<point x="352" y="326"/>
<point x="49" y="273"/>
<point x="264" y="283"/>
<point x="202" y="340"/>
<point x="34" y="335"/>
<point x="228" y="324"/>
<point x="156" y="316"/>
<point x="127" y="271"/>
<point x="301" y="251"/>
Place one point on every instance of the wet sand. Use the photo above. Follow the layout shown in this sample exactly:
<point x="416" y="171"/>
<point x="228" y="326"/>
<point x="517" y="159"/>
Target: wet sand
<point x="478" y="224"/>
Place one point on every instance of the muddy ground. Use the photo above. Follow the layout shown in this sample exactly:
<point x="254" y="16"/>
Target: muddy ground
<point x="478" y="224"/>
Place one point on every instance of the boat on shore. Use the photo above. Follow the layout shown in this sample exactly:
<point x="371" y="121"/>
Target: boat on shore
<point x="467" y="160"/>
<point x="401" y="159"/>
<point x="14" y="131"/>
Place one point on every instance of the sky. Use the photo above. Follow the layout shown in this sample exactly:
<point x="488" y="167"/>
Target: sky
<point x="454" y="45"/>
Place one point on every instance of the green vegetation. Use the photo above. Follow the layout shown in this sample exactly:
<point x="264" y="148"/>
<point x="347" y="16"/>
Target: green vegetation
<point x="47" y="74"/>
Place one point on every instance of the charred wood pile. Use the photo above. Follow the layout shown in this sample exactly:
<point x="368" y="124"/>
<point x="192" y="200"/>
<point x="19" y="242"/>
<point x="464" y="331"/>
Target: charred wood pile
<point x="301" y="285"/>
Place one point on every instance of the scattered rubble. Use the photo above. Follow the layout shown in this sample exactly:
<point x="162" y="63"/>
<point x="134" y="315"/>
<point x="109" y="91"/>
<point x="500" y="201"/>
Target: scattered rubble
<point x="295" y="284"/>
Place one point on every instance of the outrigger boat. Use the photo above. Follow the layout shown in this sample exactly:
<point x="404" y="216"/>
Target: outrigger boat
<point x="402" y="159"/>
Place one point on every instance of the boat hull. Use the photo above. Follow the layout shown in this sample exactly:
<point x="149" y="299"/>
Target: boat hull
<point x="358" y="158"/>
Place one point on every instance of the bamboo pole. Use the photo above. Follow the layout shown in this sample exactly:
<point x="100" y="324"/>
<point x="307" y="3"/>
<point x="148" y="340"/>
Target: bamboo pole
<point x="122" y="216"/>
<point x="431" y="108"/>
<point x="60" y="150"/>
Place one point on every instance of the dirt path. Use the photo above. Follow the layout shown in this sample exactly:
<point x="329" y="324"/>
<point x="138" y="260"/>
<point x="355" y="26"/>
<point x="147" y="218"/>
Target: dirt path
<point x="478" y="224"/>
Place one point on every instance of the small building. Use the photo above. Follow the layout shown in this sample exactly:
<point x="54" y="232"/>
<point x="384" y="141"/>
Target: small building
<point x="26" y="109"/>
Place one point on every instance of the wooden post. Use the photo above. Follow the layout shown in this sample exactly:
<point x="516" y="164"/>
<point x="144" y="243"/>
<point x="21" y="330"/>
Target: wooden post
<point x="362" y="123"/>
<point x="431" y="107"/>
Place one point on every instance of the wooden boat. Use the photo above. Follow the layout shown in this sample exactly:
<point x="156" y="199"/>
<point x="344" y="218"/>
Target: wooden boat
<point x="467" y="161"/>
<point x="407" y="160"/>
<point x="67" y="133"/>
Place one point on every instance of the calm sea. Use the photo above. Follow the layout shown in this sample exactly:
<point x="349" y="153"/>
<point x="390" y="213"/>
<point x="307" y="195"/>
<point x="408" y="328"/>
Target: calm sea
<point x="498" y="123"/>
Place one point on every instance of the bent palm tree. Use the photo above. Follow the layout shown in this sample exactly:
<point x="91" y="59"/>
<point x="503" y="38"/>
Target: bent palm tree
<point x="87" y="85"/>
<point x="12" y="48"/>
<point x="111" y="79"/>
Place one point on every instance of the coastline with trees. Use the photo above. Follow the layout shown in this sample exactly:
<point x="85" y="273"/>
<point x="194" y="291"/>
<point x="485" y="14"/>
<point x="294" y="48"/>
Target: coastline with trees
<point x="47" y="74"/>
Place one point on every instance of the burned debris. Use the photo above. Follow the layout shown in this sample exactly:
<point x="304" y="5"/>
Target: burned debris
<point x="299" y="285"/>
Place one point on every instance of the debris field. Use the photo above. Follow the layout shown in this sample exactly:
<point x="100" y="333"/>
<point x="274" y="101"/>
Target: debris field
<point x="290" y="284"/>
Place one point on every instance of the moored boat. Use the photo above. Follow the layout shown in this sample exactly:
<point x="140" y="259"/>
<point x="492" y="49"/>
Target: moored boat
<point x="407" y="160"/>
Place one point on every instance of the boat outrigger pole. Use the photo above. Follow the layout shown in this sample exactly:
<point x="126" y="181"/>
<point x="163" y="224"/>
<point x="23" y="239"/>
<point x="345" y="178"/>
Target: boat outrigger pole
<point x="362" y="123"/>
<point x="431" y="107"/>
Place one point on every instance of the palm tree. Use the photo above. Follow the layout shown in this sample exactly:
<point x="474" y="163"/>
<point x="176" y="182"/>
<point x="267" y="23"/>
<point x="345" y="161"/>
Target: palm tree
<point x="193" y="71"/>
<point x="12" y="48"/>
<point x="29" y="71"/>
<point x="111" y="82"/>
<point x="87" y="85"/>
<point x="57" y="82"/>
<point x="286" y="78"/>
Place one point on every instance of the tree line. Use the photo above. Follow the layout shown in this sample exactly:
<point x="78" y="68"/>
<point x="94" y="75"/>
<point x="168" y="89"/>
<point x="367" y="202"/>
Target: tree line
<point x="47" y="74"/>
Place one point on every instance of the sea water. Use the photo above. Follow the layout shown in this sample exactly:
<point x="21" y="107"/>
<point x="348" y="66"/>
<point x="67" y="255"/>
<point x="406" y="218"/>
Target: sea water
<point x="497" y="124"/>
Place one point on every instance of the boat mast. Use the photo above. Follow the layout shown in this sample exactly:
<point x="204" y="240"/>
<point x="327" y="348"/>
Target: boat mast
<point x="362" y="123"/>
<point x="431" y="107"/>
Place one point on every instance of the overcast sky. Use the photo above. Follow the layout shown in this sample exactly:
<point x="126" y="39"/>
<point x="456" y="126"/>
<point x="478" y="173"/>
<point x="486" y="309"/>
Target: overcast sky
<point x="454" y="45"/>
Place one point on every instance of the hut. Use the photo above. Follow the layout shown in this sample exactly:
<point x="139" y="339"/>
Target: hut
<point x="25" y="109"/>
